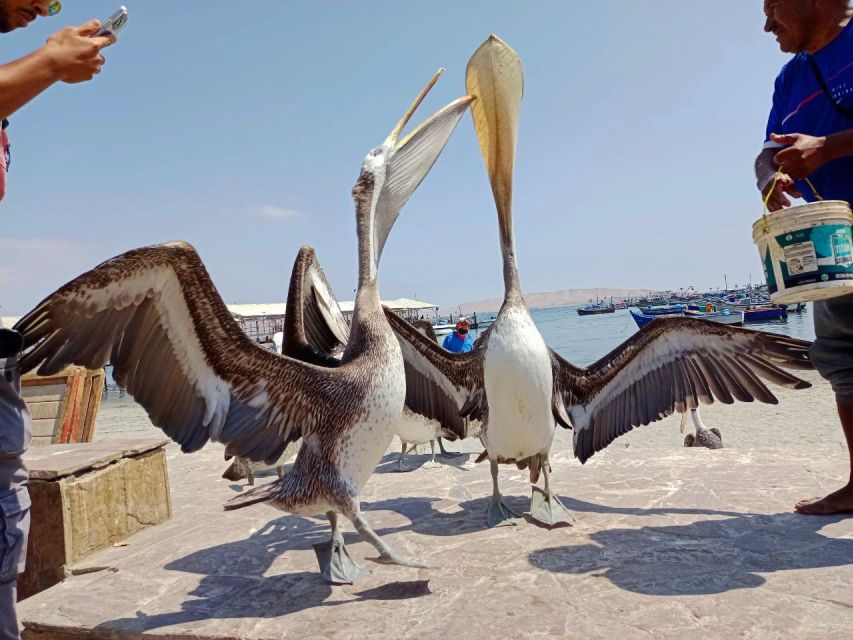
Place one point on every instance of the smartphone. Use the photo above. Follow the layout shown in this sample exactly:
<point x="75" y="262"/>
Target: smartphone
<point x="112" y="25"/>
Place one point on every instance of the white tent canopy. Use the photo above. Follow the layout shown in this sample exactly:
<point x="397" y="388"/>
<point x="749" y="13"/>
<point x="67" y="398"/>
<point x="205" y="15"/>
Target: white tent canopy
<point x="347" y="306"/>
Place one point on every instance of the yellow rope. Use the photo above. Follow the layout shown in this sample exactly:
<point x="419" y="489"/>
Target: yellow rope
<point x="814" y="191"/>
<point x="770" y="192"/>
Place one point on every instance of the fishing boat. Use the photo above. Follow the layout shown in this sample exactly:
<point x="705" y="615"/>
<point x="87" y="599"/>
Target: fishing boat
<point x="594" y="309"/>
<point x="482" y="322"/>
<point x="663" y="310"/>
<point x="763" y="313"/>
<point x="732" y="318"/>
<point x="442" y="327"/>
<point x="726" y="316"/>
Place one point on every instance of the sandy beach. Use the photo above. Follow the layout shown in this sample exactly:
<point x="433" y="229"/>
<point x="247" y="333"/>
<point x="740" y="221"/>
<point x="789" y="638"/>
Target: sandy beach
<point x="670" y="543"/>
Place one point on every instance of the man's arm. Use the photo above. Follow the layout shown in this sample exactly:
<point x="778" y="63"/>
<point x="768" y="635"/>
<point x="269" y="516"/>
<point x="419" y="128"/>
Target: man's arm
<point x="806" y="154"/>
<point x="70" y="55"/>
<point x="23" y="79"/>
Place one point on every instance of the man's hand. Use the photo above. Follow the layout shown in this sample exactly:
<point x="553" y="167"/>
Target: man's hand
<point x="74" y="54"/>
<point x="782" y="188"/>
<point x="804" y="155"/>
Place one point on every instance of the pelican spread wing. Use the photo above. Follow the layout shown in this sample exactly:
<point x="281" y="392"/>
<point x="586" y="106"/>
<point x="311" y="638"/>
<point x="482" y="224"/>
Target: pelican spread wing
<point x="315" y="329"/>
<point x="155" y="315"/>
<point x="671" y="365"/>
<point x="444" y="386"/>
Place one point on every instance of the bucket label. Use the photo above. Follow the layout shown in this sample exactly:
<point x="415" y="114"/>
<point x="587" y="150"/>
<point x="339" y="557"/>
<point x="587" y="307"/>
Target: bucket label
<point x="769" y="274"/>
<point x="816" y="254"/>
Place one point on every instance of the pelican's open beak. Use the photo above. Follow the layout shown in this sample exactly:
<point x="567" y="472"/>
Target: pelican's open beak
<point x="495" y="77"/>
<point x="413" y="156"/>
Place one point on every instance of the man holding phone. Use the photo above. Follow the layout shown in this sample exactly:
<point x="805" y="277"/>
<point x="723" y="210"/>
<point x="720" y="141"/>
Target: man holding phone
<point x="72" y="54"/>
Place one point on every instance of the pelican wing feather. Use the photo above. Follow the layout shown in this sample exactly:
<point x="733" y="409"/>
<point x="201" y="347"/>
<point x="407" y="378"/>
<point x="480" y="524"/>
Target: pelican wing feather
<point x="315" y="329"/>
<point x="672" y="364"/>
<point x="155" y="315"/>
<point x="444" y="386"/>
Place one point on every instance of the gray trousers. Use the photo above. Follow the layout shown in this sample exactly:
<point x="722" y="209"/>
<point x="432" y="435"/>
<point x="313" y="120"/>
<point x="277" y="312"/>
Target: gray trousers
<point x="13" y="552"/>
<point x="832" y="351"/>
<point x="15" y="434"/>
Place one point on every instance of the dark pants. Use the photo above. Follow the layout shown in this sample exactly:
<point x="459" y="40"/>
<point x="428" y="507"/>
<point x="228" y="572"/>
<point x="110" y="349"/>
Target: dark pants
<point x="832" y="351"/>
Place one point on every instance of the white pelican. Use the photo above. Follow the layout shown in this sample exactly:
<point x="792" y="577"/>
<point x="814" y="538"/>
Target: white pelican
<point x="521" y="389"/>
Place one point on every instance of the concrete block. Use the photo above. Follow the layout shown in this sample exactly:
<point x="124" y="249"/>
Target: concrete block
<point x="89" y="497"/>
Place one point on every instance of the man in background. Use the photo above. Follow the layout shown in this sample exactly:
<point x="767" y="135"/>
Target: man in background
<point x="459" y="341"/>
<point x="810" y="135"/>
<point x="70" y="55"/>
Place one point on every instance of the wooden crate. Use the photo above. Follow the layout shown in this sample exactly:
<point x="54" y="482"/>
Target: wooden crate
<point x="64" y="406"/>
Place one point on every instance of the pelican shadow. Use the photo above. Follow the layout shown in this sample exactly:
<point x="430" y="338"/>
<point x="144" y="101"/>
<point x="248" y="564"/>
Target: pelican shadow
<point x="388" y="464"/>
<point x="705" y="557"/>
<point x="234" y="585"/>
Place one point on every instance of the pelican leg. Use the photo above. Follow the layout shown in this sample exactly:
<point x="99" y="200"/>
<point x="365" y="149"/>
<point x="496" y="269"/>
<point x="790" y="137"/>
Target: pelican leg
<point x="545" y="506"/>
<point x="708" y="438"/>
<point x="386" y="555"/>
<point x="336" y="566"/>
<point x="431" y="464"/>
<point x="401" y="464"/>
<point x="498" y="510"/>
<point x="446" y="453"/>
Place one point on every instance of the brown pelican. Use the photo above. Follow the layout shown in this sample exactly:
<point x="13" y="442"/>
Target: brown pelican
<point x="415" y="429"/>
<point x="521" y="389"/>
<point x="156" y="316"/>
<point x="316" y="331"/>
<point x="704" y="437"/>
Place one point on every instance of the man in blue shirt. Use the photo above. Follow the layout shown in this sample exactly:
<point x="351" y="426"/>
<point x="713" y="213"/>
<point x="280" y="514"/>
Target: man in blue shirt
<point x="460" y="340"/>
<point x="810" y="135"/>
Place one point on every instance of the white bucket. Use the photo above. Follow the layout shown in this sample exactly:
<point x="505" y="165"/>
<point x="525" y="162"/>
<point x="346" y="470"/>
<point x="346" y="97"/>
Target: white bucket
<point x="807" y="251"/>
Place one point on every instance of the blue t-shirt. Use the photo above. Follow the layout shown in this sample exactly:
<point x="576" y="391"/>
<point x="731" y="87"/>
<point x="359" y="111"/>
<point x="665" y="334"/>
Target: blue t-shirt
<point x="800" y="106"/>
<point x="458" y="344"/>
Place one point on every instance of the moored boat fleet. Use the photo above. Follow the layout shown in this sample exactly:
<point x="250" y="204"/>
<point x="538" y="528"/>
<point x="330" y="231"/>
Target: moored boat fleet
<point x="725" y="307"/>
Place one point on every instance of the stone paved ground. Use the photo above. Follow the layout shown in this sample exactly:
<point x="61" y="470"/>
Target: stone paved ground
<point x="670" y="543"/>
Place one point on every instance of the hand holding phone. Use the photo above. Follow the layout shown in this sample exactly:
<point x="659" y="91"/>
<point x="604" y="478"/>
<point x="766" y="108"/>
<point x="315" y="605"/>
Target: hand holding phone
<point x="112" y="25"/>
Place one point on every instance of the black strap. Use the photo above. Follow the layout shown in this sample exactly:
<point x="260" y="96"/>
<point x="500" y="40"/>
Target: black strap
<point x="848" y="113"/>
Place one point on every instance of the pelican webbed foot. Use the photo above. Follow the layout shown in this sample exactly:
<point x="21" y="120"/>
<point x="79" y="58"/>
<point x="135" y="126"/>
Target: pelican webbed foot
<point x="546" y="508"/>
<point x="446" y="453"/>
<point x="336" y="565"/>
<point x="500" y="513"/>
<point x="431" y="463"/>
<point x="386" y="554"/>
<point x="402" y="465"/>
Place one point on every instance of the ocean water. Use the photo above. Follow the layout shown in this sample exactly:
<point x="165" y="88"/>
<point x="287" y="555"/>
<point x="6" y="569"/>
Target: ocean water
<point x="584" y="339"/>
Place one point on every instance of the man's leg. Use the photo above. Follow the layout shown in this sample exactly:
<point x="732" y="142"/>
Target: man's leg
<point x="8" y="617"/>
<point x="840" y="501"/>
<point x="832" y="355"/>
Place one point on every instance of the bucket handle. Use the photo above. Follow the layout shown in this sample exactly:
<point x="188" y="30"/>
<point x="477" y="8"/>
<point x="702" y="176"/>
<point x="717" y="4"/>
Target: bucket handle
<point x="770" y="191"/>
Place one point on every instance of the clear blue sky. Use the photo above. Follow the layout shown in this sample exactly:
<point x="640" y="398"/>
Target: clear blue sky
<point x="240" y="127"/>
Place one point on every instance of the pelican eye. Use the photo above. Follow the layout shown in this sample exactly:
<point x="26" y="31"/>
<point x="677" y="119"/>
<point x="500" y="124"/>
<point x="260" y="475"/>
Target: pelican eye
<point x="376" y="152"/>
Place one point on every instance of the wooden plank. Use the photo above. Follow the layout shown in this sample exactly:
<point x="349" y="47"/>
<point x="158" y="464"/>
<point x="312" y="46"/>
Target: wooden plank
<point x="96" y="394"/>
<point x="70" y="415"/>
<point x="41" y="441"/>
<point x="44" y="427"/>
<point x="60" y="460"/>
<point x="44" y="393"/>
<point x="44" y="410"/>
